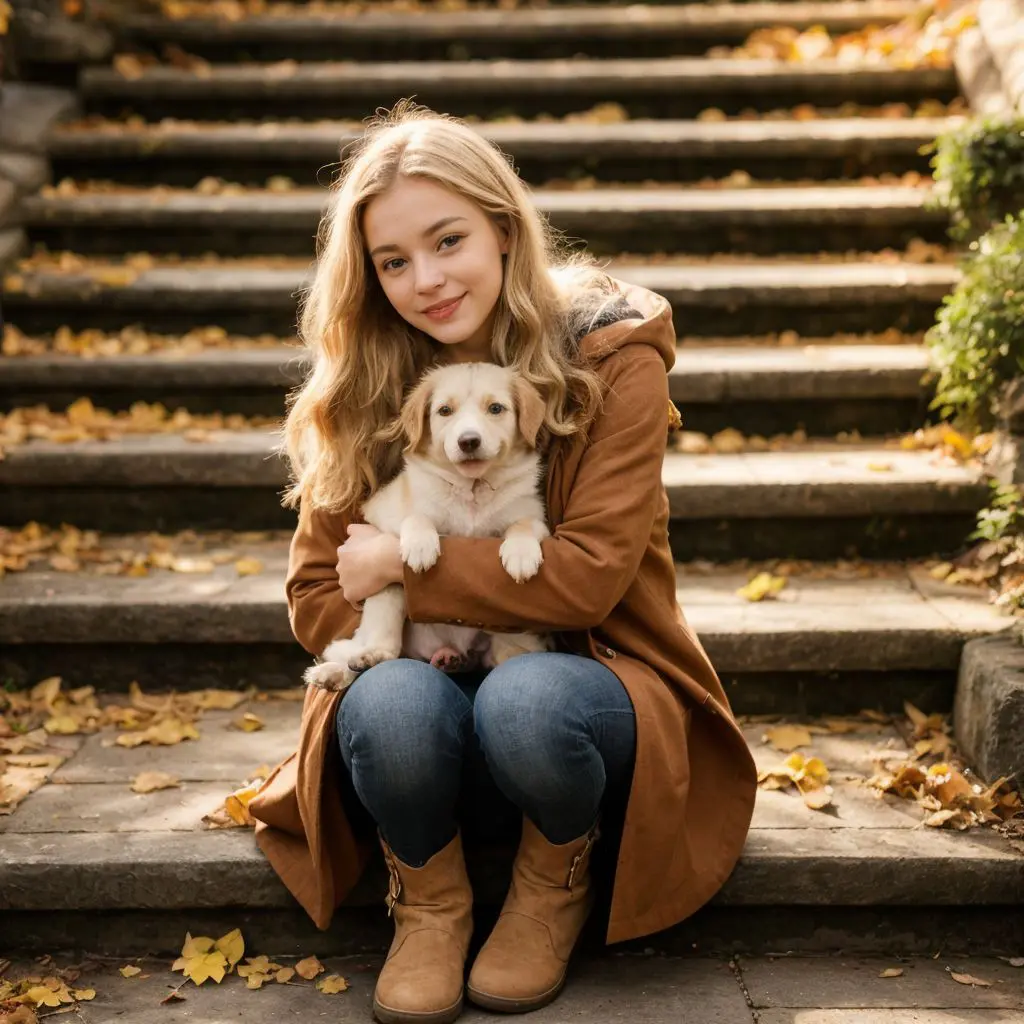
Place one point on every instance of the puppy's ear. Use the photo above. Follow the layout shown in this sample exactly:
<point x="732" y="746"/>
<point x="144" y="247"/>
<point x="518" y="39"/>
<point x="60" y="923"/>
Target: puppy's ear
<point x="416" y="415"/>
<point x="530" y="410"/>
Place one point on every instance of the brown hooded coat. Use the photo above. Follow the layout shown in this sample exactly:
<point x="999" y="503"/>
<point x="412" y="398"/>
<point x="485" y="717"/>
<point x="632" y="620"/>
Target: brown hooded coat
<point x="608" y="585"/>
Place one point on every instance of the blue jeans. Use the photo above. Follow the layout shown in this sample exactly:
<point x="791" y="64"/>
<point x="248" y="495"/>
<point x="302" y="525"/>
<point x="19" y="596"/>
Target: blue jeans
<point x="548" y="735"/>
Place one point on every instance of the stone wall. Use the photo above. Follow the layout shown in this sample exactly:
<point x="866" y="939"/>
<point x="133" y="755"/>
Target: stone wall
<point x="989" y="58"/>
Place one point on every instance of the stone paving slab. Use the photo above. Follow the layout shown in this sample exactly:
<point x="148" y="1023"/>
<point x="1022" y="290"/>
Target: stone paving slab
<point x="638" y="139"/>
<point x="603" y="989"/>
<point x="888" y="1016"/>
<point x="854" y="983"/>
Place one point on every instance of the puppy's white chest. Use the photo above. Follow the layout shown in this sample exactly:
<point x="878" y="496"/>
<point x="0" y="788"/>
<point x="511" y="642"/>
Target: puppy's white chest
<point x="472" y="518"/>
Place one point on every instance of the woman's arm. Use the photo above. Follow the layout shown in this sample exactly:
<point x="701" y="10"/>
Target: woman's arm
<point x="595" y="552"/>
<point x="317" y="608"/>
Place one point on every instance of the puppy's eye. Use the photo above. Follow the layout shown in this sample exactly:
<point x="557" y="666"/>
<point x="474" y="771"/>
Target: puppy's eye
<point x="495" y="408"/>
<point x="444" y="410"/>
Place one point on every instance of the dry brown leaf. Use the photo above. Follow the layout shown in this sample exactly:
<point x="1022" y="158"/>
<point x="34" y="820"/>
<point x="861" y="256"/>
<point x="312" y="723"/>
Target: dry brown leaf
<point x="787" y="737"/>
<point x="969" y="979"/>
<point x="130" y="971"/>
<point x="892" y="972"/>
<point x="309" y="968"/>
<point x="149" y="782"/>
<point x="332" y="984"/>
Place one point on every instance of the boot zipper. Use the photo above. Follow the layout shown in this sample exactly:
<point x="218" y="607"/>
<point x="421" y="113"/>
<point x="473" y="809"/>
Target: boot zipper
<point x="394" y="882"/>
<point x="578" y="860"/>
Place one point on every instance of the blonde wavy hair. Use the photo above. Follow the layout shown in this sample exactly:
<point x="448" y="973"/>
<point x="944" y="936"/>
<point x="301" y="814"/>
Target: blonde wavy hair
<point x="342" y="433"/>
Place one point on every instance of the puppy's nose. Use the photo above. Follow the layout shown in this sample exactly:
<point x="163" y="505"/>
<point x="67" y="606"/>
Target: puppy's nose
<point x="469" y="443"/>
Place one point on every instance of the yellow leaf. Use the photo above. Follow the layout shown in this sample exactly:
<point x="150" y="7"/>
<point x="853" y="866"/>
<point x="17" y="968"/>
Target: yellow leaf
<point x="892" y="972"/>
<point x="248" y="722"/>
<point x="192" y="565"/>
<point x="248" y="566"/>
<point x="968" y="979"/>
<point x="255" y="980"/>
<point x="309" y="968"/>
<point x="763" y="585"/>
<point x="232" y="945"/>
<point x="285" y="974"/>
<point x="257" y="965"/>
<point x="130" y="971"/>
<point x="940" y="571"/>
<point x="196" y="946"/>
<point x="63" y="725"/>
<point x="787" y="737"/>
<point x="237" y="805"/>
<point x="332" y="984"/>
<point x="148" y="782"/>
<point x="817" y="798"/>
<point x="880" y="467"/>
<point x="960" y="444"/>
<point x="42" y="996"/>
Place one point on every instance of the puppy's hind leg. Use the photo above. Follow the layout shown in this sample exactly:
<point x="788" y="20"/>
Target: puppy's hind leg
<point x="379" y="636"/>
<point x="509" y="645"/>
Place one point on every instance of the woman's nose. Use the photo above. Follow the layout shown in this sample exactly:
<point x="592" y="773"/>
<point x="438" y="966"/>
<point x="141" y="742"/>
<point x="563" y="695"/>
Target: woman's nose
<point x="429" y="275"/>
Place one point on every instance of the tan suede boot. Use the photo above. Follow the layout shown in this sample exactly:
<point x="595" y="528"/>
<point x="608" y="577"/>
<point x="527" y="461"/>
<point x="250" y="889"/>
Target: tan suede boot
<point x="522" y="965"/>
<point x="422" y="977"/>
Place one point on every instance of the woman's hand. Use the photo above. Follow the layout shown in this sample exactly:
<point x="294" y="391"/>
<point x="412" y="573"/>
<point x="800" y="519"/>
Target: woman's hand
<point x="368" y="562"/>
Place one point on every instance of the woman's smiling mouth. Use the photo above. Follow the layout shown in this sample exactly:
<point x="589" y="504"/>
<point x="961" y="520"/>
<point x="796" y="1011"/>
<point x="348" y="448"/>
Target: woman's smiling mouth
<point x="443" y="312"/>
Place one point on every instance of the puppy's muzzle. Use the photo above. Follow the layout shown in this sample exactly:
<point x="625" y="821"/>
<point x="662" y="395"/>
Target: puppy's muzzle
<point x="469" y="443"/>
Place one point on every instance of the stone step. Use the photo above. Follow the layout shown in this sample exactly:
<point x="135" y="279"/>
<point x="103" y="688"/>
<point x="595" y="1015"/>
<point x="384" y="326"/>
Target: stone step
<point x="710" y="298"/>
<point x="84" y="851"/>
<point x="814" y="500"/>
<point x="425" y="34"/>
<point x="755" y="388"/>
<point x="185" y="153"/>
<point x="611" y="220"/>
<point x="657" y="87"/>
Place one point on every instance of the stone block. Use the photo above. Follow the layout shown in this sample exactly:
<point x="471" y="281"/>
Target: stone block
<point x="13" y="243"/>
<point x="44" y="34"/>
<point x="28" y="111"/>
<point x="28" y="171"/>
<point x="8" y="208"/>
<point x="1005" y="459"/>
<point x="988" y="715"/>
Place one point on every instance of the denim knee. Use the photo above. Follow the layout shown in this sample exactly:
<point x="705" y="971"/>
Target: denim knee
<point x="401" y="726"/>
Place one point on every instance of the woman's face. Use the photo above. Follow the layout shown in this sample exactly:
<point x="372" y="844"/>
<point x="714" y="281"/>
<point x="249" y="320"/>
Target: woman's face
<point x="438" y="258"/>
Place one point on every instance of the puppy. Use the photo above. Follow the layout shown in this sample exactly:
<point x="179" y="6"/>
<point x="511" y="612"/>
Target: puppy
<point x="471" y="469"/>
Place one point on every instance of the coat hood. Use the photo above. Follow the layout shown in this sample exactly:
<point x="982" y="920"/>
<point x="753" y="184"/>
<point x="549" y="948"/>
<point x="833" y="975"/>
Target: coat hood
<point x="629" y="315"/>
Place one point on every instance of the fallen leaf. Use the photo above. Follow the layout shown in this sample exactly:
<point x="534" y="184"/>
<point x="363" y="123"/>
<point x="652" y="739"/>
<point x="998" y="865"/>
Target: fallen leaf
<point x="787" y="737"/>
<point x="248" y="722"/>
<point x="969" y="979"/>
<point x="763" y="585"/>
<point x="200" y="960"/>
<point x="130" y="971"/>
<point x="332" y="984"/>
<point x="148" y="782"/>
<point x="1014" y="961"/>
<point x="248" y="566"/>
<point x="309" y="968"/>
<point x="892" y="972"/>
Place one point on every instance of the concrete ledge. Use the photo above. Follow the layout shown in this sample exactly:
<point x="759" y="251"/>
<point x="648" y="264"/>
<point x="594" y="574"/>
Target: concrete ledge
<point x="721" y="23"/>
<point x="320" y="142"/>
<point x="620" y="77"/>
<point x="27" y="113"/>
<point x="702" y="374"/>
<point x="989" y="708"/>
<point x="887" y="624"/>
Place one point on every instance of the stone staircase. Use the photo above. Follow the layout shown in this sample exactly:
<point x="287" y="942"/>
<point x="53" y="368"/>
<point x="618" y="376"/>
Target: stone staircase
<point x="789" y="250"/>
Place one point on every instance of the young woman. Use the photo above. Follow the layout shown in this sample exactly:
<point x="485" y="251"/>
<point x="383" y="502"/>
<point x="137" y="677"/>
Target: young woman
<point x="432" y="251"/>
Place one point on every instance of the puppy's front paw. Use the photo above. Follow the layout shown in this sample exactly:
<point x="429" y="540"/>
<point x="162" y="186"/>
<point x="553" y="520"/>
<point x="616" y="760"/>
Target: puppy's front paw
<point x="420" y="549"/>
<point x="329" y="675"/>
<point x="522" y="556"/>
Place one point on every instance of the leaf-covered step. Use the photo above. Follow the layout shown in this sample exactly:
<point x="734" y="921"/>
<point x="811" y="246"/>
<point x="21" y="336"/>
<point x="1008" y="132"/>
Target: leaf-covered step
<point x="657" y="87"/>
<point x="183" y="600"/>
<point x="758" y="388"/>
<point x="807" y="500"/>
<point x="430" y="34"/>
<point x="709" y="297"/>
<point x="628" y="151"/>
<point x="610" y="220"/>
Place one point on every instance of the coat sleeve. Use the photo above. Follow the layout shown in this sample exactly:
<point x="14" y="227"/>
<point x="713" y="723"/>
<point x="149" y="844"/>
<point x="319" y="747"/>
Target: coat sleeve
<point x="317" y="609"/>
<point x="593" y="555"/>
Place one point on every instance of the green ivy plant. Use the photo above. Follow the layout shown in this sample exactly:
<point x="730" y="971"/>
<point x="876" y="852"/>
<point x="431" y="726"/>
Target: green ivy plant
<point x="979" y="173"/>
<point x="977" y="343"/>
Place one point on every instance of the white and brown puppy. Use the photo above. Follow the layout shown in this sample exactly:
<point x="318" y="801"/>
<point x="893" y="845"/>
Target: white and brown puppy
<point x="471" y="469"/>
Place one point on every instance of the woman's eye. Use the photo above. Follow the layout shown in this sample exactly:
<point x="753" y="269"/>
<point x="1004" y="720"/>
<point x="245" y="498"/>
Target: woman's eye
<point x="389" y="264"/>
<point x="495" y="408"/>
<point x="450" y="238"/>
<point x="444" y="410"/>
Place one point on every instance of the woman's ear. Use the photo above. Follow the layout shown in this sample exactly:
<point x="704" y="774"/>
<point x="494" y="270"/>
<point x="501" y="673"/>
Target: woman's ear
<point x="415" y="415"/>
<point x="530" y="410"/>
<point x="503" y="234"/>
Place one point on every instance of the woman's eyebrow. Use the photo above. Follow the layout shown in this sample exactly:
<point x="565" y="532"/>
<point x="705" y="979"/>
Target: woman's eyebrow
<point x="443" y="222"/>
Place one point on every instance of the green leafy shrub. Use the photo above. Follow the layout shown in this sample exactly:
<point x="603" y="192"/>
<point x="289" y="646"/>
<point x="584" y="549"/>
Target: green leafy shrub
<point x="979" y="173"/>
<point x="977" y="344"/>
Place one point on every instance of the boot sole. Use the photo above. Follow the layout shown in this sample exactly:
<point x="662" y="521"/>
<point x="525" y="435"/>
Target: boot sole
<point x="500" y="1004"/>
<point x="387" y="1015"/>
